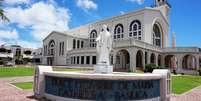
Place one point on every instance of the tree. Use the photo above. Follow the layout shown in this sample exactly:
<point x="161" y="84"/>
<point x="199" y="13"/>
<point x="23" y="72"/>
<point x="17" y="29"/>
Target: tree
<point x="27" y="52"/>
<point x="3" y="50"/>
<point x="2" y="15"/>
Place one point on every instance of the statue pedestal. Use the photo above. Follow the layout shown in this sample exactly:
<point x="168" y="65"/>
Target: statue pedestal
<point x="103" y="69"/>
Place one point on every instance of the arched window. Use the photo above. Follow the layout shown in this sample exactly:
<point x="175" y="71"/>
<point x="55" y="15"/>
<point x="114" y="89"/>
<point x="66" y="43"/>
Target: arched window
<point x="135" y="30"/>
<point x="93" y="36"/>
<point x="74" y="43"/>
<point x="153" y="58"/>
<point x="78" y="43"/>
<point x="82" y="44"/>
<point x="51" y="47"/>
<point x="156" y="35"/>
<point x="18" y="52"/>
<point x="119" y="31"/>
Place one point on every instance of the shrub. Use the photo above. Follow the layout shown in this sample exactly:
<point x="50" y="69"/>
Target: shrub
<point x="1" y="62"/>
<point x="200" y="63"/>
<point x="199" y="71"/>
<point x="3" y="50"/>
<point x="9" y="51"/>
<point x="150" y="67"/>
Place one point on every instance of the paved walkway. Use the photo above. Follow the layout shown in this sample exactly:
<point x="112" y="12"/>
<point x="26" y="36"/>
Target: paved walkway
<point x="11" y="93"/>
<point x="193" y="95"/>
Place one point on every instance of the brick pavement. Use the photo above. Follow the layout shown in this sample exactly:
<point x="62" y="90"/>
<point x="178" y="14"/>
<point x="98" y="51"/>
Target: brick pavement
<point x="193" y="95"/>
<point x="11" y="93"/>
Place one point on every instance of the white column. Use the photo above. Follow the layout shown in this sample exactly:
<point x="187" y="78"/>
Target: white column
<point x="114" y="58"/>
<point x="80" y="60"/>
<point x="143" y="59"/>
<point x="132" y="53"/>
<point x="85" y="60"/>
<point x="179" y="66"/>
<point x="91" y="60"/>
<point x="162" y="61"/>
<point x="148" y="57"/>
<point x="197" y="62"/>
<point x="156" y="62"/>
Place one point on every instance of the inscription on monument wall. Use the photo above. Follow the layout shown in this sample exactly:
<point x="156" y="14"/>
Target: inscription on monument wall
<point x="102" y="90"/>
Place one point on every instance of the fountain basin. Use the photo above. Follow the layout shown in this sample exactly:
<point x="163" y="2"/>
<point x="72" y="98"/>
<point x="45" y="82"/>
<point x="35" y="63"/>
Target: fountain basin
<point x="74" y="86"/>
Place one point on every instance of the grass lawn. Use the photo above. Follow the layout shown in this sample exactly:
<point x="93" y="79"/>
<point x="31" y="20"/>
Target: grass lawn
<point x="16" y="71"/>
<point x="24" y="71"/>
<point x="71" y="69"/>
<point x="182" y="84"/>
<point x="24" y="85"/>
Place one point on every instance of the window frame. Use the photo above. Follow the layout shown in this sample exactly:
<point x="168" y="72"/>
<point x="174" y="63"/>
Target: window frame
<point x="135" y="30"/>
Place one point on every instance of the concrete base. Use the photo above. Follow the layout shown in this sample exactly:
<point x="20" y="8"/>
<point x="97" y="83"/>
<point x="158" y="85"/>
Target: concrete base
<point x="39" y="80"/>
<point x="57" y="98"/>
<point x="103" y="69"/>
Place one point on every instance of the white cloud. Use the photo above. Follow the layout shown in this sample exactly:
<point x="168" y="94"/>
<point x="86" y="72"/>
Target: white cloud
<point x="8" y="34"/>
<point x="137" y="1"/>
<point x="28" y="44"/>
<point x="23" y="43"/>
<point x="87" y="4"/>
<point x="13" y="2"/>
<point x="2" y="42"/>
<point x="41" y="18"/>
<point x="122" y="12"/>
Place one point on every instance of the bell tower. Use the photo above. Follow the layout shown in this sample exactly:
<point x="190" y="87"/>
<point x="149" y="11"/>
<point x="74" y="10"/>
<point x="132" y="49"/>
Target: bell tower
<point x="160" y="2"/>
<point x="173" y="40"/>
<point x="164" y="7"/>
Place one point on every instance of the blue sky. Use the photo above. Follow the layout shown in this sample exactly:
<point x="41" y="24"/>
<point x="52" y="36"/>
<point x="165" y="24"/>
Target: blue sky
<point x="32" y="20"/>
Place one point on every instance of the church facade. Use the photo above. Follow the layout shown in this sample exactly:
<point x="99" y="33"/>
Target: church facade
<point x="140" y="37"/>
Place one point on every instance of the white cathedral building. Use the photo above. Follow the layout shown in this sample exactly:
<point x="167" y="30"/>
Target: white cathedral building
<point x="140" y="37"/>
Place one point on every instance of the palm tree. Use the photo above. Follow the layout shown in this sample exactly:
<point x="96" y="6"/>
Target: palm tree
<point x="2" y="15"/>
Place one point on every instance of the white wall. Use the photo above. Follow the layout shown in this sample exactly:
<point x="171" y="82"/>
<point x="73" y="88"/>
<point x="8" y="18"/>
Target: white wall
<point x="58" y="60"/>
<point x="151" y="17"/>
<point x="146" y="16"/>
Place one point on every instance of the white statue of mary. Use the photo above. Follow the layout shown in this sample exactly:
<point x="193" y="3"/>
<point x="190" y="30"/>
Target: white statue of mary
<point x="104" y="46"/>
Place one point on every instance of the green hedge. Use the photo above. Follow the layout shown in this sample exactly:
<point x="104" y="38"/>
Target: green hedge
<point x="1" y="62"/>
<point x="150" y="67"/>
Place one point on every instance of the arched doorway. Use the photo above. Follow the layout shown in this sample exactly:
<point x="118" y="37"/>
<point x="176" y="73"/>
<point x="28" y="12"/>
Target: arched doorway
<point x="139" y="60"/>
<point x="189" y="62"/>
<point x="153" y="58"/>
<point x="122" y="61"/>
<point x="18" y="56"/>
<point x="171" y="62"/>
<point x="159" y="60"/>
